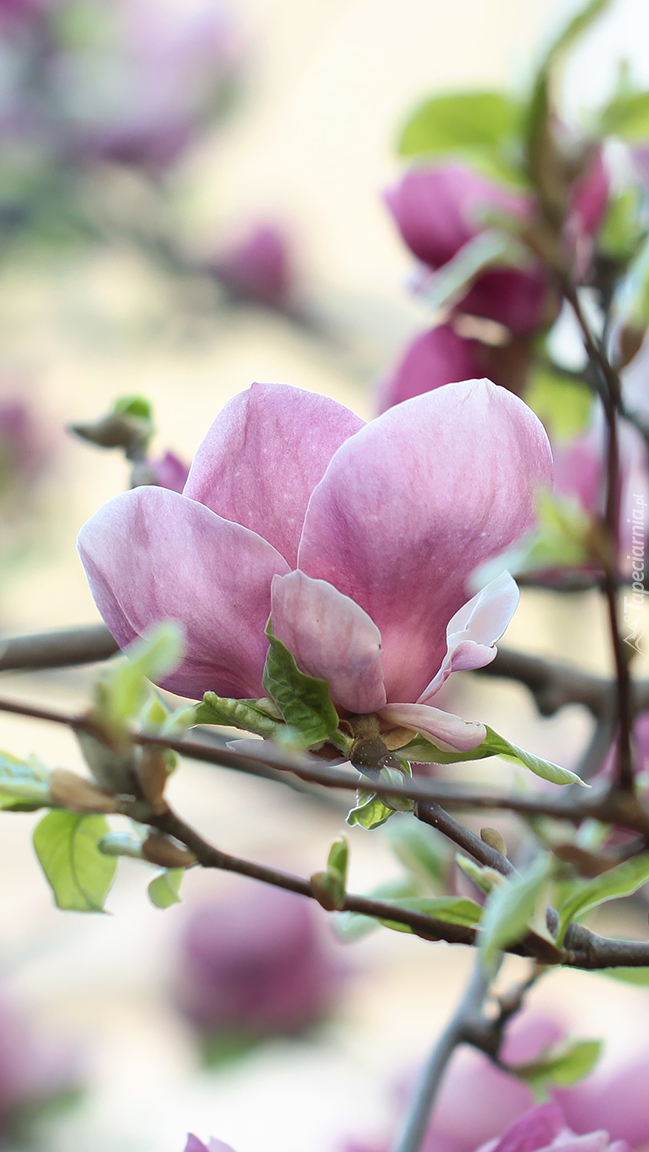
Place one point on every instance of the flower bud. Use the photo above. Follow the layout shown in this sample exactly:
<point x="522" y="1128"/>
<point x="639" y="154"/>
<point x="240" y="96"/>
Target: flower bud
<point x="78" y="794"/>
<point x="492" y="837"/>
<point x="259" y="268"/>
<point x="166" y="853"/>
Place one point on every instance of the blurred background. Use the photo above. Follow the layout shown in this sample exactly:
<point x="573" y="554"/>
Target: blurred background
<point x="191" y="198"/>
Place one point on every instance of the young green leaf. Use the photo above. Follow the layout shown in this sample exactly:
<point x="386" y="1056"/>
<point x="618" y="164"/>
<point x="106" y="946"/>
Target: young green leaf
<point x="627" y="975"/>
<point x="510" y="908"/>
<point x="165" y="889"/>
<point x="244" y="714"/>
<point x="423" y="850"/>
<point x="123" y="688"/>
<point x="303" y="701"/>
<point x="627" y="115"/>
<point x="79" y="874"/>
<point x="23" y="784"/>
<point x="623" y="880"/>
<point x="447" y="123"/>
<point x="563" y="404"/>
<point x="370" y="811"/>
<point x="329" y="886"/>
<point x="562" y="1067"/>
<point x="350" y="926"/>
<point x="424" y="751"/>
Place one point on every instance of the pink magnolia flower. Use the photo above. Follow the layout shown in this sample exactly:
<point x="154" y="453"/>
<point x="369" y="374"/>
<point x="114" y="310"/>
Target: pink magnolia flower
<point x="438" y="210"/>
<point x="580" y="472"/>
<point x="442" y="356"/>
<point x="195" y="1145"/>
<point x="169" y="471"/>
<point x="435" y="358"/>
<point x="258" y="268"/>
<point x="34" y="1068"/>
<point x="545" y="1128"/>
<point x="615" y="1100"/>
<point x="256" y="966"/>
<point x="359" y="537"/>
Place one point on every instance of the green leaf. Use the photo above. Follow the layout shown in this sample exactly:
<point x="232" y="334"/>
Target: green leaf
<point x="627" y="975"/>
<point x="134" y="406"/>
<point x="303" y="701"/>
<point x="423" y="850"/>
<point x="370" y="811"/>
<point x="510" y="908"/>
<point x="621" y="233"/>
<point x="623" y="880"/>
<point x="626" y="116"/>
<point x="351" y="926"/>
<point x="123" y="687"/>
<point x="452" y="909"/>
<point x="329" y="887"/>
<point x="563" y="404"/>
<point x="486" y="879"/>
<point x="23" y="784"/>
<point x="562" y="1067"/>
<point x="421" y="750"/>
<point x="632" y="298"/>
<point x="245" y="714"/>
<point x="165" y="889"/>
<point x="67" y="846"/>
<point x="487" y="249"/>
<point x="447" y="123"/>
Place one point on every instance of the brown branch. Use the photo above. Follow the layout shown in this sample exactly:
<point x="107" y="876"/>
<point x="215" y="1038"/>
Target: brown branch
<point x="72" y="646"/>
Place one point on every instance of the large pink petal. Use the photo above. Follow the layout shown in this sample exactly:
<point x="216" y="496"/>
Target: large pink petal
<point x="264" y="455"/>
<point x="413" y="503"/>
<point x="446" y="730"/>
<point x="474" y="630"/>
<point x="151" y="554"/>
<point x="331" y="638"/>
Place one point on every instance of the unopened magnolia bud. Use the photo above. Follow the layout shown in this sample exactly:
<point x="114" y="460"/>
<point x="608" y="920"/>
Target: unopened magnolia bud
<point x="152" y="772"/>
<point x="328" y="890"/>
<point x="78" y="794"/>
<point x="629" y="343"/>
<point x="159" y="850"/>
<point x="493" y="838"/>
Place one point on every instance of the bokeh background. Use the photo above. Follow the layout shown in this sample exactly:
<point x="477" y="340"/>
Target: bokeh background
<point x="306" y="147"/>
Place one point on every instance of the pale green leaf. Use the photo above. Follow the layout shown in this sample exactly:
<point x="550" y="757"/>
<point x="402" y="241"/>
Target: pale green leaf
<point x="562" y="1067"/>
<point x="165" y="889"/>
<point x="67" y="846"/>
<point x="563" y="404"/>
<point x="23" y="784"/>
<point x="370" y="811"/>
<point x="351" y="926"/>
<point x="245" y="714"/>
<point x="627" y="975"/>
<point x="423" y="850"/>
<point x="510" y="908"/>
<point x="623" y="880"/>
<point x="460" y="121"/>
<point x="303" y="701"/>
<point x="123" y="687"/>
<point x="627" y="116"/>
<point x="421" y="750"/>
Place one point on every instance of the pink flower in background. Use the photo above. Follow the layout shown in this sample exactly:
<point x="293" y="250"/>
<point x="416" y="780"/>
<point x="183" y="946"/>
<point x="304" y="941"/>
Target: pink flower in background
<point x="138" y="88"/>
<point x="33" y="1068"/>
<point x="435" y="358"/>
<point x="258" y="268"/>
<point x="615" y="1100"/>
<point x="256" y="965"/>
<point x="544" y="1127"/>
<point x="381" y="523"/>
<point x="25" y="447"/>
<point x="440" y="209"/>
<point x="170" y="472"/>
<point x="580" y="472"/>
<point x="195" y="1145"/>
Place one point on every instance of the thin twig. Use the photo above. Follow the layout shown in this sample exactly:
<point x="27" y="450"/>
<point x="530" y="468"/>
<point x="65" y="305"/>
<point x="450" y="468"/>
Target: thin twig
<point x="455" y="1033"/>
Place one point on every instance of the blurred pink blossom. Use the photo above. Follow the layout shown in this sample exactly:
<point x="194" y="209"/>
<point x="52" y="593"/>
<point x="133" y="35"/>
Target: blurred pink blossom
<point x="33" y="1068"/>
<point x="544" y="1127"/>
<point x="258" y="268"/>
<point x="256" y="965"/>
<point x="195" y="1145"/>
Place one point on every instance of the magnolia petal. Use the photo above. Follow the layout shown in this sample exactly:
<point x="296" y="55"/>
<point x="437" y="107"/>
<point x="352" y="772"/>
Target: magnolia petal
<point x="412" y="503"/>
<point x="474" y="630"/>
<point x="264" y="455"/>
<point x="331" y="638"/>
<point x="151" y="554"/>
<point x="449" y="732"/>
